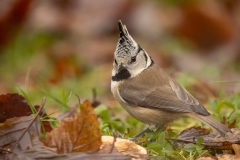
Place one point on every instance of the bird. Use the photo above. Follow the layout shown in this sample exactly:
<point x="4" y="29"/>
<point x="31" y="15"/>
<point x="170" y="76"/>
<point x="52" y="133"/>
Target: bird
<point x="148" y="93"/>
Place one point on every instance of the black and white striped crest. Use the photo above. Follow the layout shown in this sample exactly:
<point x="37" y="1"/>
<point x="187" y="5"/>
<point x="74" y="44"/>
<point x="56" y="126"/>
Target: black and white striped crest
<point x="126" y="45"/>
<point x="129" y="58"/>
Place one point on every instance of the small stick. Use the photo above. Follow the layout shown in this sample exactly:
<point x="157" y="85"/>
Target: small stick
<point x="34" y="119"/>
<point x="5" y="150"/>
<point x="95" y="101"/>
<point x="114" y="141"/>
<point x="94" y="92"/>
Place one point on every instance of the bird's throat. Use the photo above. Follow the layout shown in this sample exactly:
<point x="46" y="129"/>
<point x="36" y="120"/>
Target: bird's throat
<point x="123" y="74"/>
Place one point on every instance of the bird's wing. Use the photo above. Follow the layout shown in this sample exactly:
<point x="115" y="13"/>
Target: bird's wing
<point x="169" y="96"/>
<point x="184" y="96"/>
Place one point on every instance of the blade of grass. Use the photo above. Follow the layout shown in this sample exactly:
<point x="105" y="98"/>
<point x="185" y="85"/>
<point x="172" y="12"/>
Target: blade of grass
<point x="66" y="107"/>
<point x="28" y="100"/>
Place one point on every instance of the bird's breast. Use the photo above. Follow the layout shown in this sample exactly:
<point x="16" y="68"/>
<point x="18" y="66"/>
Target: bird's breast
<point x="115" y="91"/>
<point x="146" y="115"/>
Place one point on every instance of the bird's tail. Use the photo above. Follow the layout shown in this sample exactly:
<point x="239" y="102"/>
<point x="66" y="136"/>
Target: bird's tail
<point x="209" y="120"/>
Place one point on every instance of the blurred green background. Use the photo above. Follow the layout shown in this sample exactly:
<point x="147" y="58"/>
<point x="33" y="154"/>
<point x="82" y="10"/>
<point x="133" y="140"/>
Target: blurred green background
<point x="63" y="48"/>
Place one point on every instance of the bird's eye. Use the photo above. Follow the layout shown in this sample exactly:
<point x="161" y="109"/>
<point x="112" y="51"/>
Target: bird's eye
<point x="115" y="61"/>
<point x="133" y="59"/>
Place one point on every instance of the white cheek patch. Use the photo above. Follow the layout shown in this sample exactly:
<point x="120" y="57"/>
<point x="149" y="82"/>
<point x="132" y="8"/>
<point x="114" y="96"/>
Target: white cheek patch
<point x="149" y="61"/>
<point x="113" y="84"/>
<point x="136" y="71"/>
<point x="113" y="72"/>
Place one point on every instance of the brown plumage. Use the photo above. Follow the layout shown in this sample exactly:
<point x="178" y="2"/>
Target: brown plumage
<point x="147" y="92"/>
<point x="154" y="98"/>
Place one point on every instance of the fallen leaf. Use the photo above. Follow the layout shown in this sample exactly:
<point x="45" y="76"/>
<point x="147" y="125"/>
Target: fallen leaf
<point x="123" y="146"/>
<point x="13" y="128"/>
<point x="37" y="151"/>
<point x="46" y="154"/>
<point x="78" y="133"/>
<point x="13" y="105"/>
<point x="207" y="156"/>
<point x="236" y="148"/>
<point x="192" y="133"/>
<point x="211" y="140"/>
<point x="227" y="157"/>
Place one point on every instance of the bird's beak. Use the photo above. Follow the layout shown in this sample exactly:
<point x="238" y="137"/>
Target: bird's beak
<point x="121" y="67"/>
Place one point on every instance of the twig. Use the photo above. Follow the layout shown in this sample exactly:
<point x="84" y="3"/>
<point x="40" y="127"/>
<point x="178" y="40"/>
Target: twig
<point x="5" y="157"/>
<point x="95" y="102"/>
<point x="94" y="93"/>
<point x="34" y="119"/>
<point x="114" y="141"/>
<point x="5" y="150"/>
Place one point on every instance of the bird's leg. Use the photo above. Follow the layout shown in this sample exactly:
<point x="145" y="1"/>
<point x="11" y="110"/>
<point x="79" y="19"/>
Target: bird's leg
<point x="151" y="127"/>
<point x="139" y="134"/>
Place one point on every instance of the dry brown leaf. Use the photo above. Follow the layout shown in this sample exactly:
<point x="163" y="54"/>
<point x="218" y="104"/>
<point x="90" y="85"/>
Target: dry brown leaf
<point x="220" y="157"/>
<point x="123" y="146"/>
<point x="78" y="133"/>
<point x="236" y="148"/>
<point x="13" y="105"/>
<point x="13" y="128"/>
<point x="210" y="139"/>
<point x="227" y="157"/>
<point x="46" y="154"/>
